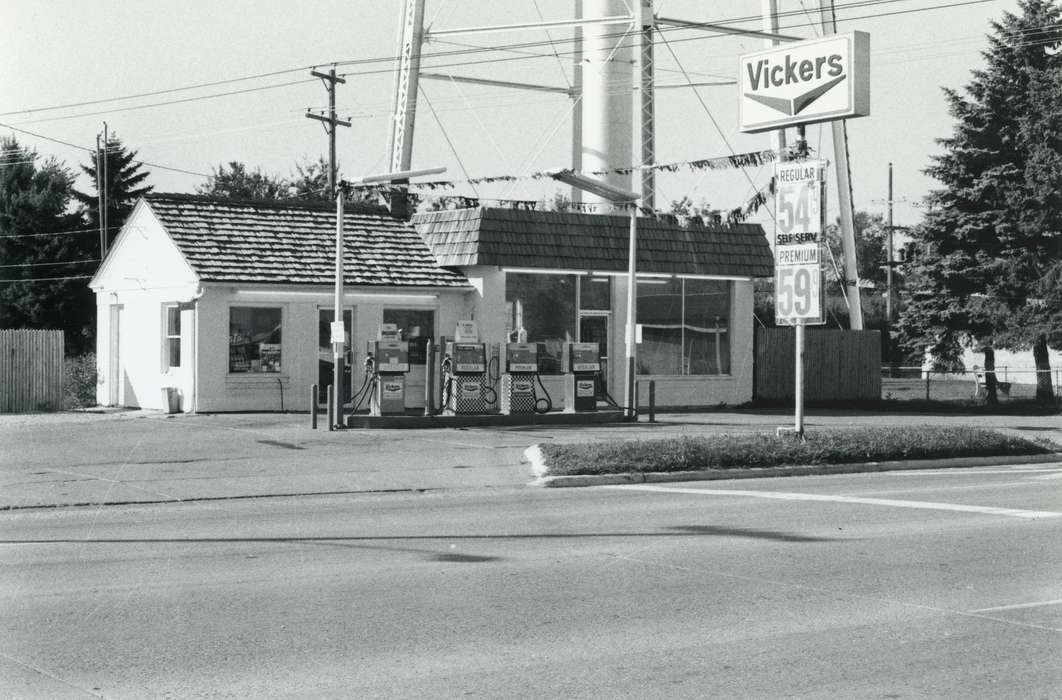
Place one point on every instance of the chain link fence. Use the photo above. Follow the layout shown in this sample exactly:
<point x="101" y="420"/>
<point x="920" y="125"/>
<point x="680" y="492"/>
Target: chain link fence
<point x="918" y="384"/>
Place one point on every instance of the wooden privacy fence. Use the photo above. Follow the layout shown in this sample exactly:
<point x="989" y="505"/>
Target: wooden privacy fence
<point x="838" y="365"/>
<point x="31" y="371"/>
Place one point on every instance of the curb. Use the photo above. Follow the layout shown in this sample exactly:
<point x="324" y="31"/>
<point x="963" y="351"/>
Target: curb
<point x="534" y="457"/>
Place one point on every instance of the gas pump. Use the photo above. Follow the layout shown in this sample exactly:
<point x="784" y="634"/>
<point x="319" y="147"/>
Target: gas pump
<point x="518" y="381"/>
<point x="391" y="358"/>
<point x="466" y="386"/>
<point x="581" y="364"/>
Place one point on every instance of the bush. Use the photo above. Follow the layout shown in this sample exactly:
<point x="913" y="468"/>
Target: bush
<point x="79" y="381"/>
<point x="825" y="446"/>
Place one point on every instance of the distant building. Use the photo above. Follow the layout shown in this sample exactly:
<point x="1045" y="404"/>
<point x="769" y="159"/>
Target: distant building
<point x="229" y="303"/>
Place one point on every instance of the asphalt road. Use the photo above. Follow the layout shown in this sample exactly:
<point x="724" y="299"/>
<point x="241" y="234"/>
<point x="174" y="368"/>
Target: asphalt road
<point x="889" y="585"/>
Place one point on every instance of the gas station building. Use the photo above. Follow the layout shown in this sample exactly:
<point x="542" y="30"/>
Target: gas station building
<point x="220" y="305"/>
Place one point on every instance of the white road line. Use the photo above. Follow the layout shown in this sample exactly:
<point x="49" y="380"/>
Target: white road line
<point x="1019" y="606"/>
<point x="1047" y="477"/>
<point x="786" y="496"/>
<point x="974" y="472"/>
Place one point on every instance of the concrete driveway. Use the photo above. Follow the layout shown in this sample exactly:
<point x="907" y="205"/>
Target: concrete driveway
<point x="143" y="456"/>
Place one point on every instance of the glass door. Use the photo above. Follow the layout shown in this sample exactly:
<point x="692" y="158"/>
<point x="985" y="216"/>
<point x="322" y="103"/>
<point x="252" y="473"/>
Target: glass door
<point x="593" y="328"/>
<point x="325" y="364"/>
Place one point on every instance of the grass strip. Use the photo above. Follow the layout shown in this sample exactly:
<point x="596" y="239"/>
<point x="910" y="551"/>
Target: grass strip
<point x="751" y="450"/>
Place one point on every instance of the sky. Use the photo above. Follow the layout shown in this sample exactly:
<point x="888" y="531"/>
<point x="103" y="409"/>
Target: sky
<point x="58" y="53"/>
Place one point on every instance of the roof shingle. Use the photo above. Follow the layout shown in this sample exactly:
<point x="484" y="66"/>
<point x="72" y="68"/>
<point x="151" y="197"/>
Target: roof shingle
<point x="241" y="241"/>
<point x="575" y="241"/>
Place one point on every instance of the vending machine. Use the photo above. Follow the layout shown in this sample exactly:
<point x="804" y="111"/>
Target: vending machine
<point x="391" y="363"/>
<point x="518" y="381"/>
<point x="581" y="364"/>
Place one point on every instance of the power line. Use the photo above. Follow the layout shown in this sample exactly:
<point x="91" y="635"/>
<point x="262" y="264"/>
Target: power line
<point x="461" y="52"/>
<point x="155" y="93"/>
<point x="168" y="102"/>
<point x="42" y="264"/>
<point x="93" y="151"/>
<point x="49" y="279"/>
<point x="58" y="233"/>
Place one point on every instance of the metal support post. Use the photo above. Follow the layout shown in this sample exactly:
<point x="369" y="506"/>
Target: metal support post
<point x="331" y="409"/>
<point x="313" y="406"/>
<point x="844" y="194"/>
<point x="632" y="315"/>
<point x="340" y="346"/>
<point x="652" y="400"/>
<point x="799" y="390"/>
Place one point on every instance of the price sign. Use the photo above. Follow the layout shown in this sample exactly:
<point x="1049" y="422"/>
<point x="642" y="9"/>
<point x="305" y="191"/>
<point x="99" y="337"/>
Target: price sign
<point x="799" y="198"/>
<point x="798" y="294"/>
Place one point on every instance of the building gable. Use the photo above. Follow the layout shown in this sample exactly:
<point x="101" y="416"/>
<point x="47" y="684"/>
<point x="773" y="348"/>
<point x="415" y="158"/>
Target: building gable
<point x="143" y="256"/>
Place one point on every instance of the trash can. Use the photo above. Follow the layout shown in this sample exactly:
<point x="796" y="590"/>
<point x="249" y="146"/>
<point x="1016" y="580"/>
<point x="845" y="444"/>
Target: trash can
<point x="171" y="399"/>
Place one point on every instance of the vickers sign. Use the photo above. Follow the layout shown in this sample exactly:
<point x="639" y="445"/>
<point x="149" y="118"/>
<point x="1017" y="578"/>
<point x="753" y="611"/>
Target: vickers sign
<point x="805" y="82"/>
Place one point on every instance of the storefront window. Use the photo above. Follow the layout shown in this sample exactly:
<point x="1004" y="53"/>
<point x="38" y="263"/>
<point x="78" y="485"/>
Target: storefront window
<point x="416" y="326"/>
<point x="543" y="306"/>
<point x="685" y="327"/>
<point x="254" y="339"/>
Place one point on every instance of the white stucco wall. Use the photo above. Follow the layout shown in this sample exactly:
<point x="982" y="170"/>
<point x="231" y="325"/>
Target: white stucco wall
<point x="221" y="390"/>
<point x="143" y="272"/>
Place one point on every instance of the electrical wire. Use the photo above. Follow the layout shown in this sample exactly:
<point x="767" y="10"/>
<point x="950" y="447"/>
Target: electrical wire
<point x="42" y="264"/>
<point x="48" y="279"/>
<point x="59" y="233"/>
<point x="428" y="57"/>
<point x="93" y="151"/>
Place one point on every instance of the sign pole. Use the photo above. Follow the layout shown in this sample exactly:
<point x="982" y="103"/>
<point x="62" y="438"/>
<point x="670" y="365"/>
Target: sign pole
<point x="798" y="372"/>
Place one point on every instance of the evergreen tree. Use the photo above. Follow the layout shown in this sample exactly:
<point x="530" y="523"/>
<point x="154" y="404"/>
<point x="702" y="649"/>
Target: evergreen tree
<point x="992" y="232"/>
<point x="44" y="278"/>
<point x="124" y="186"/>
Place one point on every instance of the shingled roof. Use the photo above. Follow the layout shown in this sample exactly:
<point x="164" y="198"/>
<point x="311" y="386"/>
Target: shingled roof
<point x="573" y="241"/>
<point x="258" y="241"/>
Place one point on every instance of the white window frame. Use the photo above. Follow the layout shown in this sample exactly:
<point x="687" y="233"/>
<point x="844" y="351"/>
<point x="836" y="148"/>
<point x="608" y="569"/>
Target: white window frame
<point x="167" y="337"/>
<point x="283" y="308"/>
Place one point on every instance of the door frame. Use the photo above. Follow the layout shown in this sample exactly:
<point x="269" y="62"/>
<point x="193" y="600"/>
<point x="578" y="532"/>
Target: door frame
<point x="115" y="382"/>
<point x="322" y="398"/>
<point x="607" y="315"/>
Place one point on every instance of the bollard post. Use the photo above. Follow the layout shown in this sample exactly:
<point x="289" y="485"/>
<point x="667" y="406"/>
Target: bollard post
<point x="927" y="385"/>
<point x="633" y="408"/>
<point x="313" y="406"/>
<point x="652" y="400"/>
<point x="331" y="410"/>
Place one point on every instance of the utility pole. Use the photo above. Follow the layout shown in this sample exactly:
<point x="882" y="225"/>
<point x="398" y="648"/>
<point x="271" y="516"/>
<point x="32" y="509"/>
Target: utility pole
<point x="99" y="198"/>
<point x="102" y="187"/>
<point x="330" y="79"/>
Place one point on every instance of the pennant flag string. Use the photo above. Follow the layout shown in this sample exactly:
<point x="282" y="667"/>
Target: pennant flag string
<point x="740" y="160"/>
